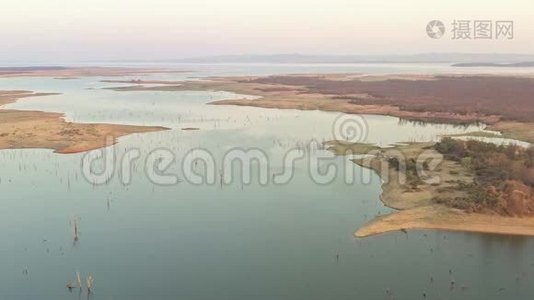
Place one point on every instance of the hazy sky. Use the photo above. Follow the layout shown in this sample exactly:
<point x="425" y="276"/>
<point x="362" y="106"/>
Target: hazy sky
<point x="55" y="30"/>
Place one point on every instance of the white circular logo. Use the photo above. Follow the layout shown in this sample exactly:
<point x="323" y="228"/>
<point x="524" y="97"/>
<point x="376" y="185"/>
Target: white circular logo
<point x="350" y="128"/>
<point x="435" y="29"/>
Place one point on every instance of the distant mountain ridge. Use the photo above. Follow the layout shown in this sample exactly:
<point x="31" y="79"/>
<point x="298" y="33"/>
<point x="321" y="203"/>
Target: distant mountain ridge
<point x="453" y="58"/>
<point x="526" y="64"/>
<point x="31" y="68"/>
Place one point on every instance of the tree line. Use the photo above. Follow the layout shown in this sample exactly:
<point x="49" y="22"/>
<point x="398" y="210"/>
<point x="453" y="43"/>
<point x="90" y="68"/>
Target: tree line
<point x="503" y="176"/>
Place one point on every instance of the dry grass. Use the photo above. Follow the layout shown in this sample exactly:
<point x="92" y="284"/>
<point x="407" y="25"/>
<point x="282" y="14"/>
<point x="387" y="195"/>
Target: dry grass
<point x="454" y="99"/>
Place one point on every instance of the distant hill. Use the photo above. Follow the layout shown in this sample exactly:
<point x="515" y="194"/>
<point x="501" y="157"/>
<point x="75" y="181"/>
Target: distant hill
<point x="33" y="68"/>
<point x="453" y="58"/>
<point x="528" y="64"/>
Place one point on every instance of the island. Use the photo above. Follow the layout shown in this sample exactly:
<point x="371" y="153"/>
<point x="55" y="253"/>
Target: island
<point x="475" y="186"/>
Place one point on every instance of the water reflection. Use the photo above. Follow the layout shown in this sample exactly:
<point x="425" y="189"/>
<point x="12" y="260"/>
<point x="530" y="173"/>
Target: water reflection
<point x="143" y="241"/>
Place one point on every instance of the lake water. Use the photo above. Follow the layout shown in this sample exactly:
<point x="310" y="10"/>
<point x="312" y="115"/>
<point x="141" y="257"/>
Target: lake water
<point x="142" y="240"/>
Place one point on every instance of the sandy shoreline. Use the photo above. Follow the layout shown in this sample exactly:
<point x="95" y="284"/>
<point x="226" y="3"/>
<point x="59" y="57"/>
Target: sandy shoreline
<point x="7" y="97"/>
<point x="37" y="129"/>
<point x="446" y="219"/>
<point x="415" y="210"/>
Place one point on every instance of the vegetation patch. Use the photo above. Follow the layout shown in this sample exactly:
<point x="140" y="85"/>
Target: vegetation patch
<point x="503" y="177"/>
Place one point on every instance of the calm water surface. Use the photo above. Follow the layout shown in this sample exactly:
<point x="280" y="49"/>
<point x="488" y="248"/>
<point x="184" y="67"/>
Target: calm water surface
<point x="232" y="241"/>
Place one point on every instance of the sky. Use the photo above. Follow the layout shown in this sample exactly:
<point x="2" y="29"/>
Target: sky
<point x="79" y="30"/>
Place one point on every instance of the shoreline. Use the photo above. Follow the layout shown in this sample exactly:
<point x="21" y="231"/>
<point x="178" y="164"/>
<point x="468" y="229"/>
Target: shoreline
<point x="417" y="211"/>
<point x="66" y="73"/>
<point x="429" y="218"/>
<point x="20" y="129"/>
<point x="290" y="92"/>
